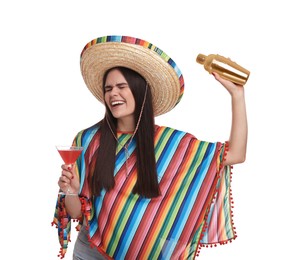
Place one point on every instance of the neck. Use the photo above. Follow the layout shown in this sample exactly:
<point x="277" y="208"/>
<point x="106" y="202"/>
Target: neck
<point x="127" y="125"/>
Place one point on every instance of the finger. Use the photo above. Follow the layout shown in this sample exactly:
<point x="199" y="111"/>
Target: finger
<point x="224" y="82"/>
<point x="67" y="167"/>
<point x="63" y="186"/>
<point x="64" y="180"/>
<point x="218" y="77"/>
<point x="67" y="174"/>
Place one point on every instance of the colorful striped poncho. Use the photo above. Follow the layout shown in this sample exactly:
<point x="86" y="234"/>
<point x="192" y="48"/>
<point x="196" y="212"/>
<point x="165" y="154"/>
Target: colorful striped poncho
<point x="194" y="208"/>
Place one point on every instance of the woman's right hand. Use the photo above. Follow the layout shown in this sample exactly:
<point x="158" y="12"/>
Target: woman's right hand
<point x="68" y="181"/>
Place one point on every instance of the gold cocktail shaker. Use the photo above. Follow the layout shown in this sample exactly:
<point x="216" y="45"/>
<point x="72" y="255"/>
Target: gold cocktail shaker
<point x="226" y="68"/>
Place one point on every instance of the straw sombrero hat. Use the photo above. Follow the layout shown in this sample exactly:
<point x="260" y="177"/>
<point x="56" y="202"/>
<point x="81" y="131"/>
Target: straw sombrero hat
<point x="159" y="70"/>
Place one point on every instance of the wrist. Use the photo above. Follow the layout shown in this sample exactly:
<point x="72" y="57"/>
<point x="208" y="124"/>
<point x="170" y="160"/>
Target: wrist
<point x="237" y="93"/>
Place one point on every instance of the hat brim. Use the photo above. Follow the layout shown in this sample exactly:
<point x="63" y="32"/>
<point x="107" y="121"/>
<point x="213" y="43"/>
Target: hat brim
<point x="158" y="69"/>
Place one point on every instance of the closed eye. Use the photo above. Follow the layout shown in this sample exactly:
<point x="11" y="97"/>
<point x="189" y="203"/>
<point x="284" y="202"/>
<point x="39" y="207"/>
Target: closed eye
<point x="107" y="88"/>
<point x="122" y="85"/>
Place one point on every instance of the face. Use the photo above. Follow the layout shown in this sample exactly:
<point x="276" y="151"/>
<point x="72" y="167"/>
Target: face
<point x="118" y="96"/>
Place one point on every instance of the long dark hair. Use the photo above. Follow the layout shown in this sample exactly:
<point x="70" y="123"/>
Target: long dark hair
<point x="103" y="176"/>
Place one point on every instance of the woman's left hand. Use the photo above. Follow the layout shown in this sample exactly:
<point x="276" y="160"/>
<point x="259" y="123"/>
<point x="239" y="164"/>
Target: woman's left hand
<point x="230" y="86"/>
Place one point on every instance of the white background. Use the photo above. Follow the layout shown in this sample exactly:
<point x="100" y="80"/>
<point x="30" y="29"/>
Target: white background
<point x="44" y="102"/>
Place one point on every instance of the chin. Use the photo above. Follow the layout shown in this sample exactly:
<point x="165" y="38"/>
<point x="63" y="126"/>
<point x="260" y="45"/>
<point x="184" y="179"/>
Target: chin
<point x="117" y="115"/>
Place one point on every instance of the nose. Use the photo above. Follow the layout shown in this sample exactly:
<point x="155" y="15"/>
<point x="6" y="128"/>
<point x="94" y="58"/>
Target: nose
<point x="114" y="91"/>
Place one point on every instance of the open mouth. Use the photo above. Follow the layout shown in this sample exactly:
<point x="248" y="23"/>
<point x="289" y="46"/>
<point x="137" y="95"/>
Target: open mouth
<point x="117" y="103"/>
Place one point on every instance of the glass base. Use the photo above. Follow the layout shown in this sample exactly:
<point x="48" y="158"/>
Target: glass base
<point x="68" y="193"/>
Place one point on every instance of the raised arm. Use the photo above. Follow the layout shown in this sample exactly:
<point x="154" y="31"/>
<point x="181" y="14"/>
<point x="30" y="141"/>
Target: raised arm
<point x="239" y="126"/>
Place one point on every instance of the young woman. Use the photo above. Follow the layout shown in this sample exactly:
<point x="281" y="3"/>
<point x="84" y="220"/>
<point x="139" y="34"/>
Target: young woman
<point x="145" y="191"/>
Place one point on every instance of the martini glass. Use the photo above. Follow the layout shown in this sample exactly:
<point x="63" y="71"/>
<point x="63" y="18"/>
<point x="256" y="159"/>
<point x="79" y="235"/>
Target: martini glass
<point x="69" y="154"/>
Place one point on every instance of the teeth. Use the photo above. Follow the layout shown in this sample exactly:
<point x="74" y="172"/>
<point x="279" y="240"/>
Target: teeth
<point x="117" y="103"/>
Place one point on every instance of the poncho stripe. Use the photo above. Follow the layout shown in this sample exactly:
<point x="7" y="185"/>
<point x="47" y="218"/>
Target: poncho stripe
<point x="195" y="199"/>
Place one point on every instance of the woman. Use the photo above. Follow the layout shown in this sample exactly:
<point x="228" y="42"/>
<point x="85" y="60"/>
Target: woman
<point x="145" y="191"/>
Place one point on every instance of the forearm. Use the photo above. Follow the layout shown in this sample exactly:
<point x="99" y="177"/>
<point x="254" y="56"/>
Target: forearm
<point x="239" y="130"/>
<point x="73" y="206"/>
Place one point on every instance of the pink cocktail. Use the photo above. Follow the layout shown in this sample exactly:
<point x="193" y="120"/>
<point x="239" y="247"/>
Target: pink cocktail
<point x="69" y="154"/>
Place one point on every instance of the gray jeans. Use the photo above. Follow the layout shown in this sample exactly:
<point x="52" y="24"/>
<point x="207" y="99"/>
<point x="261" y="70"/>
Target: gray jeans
<point x="82" y="249"/>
